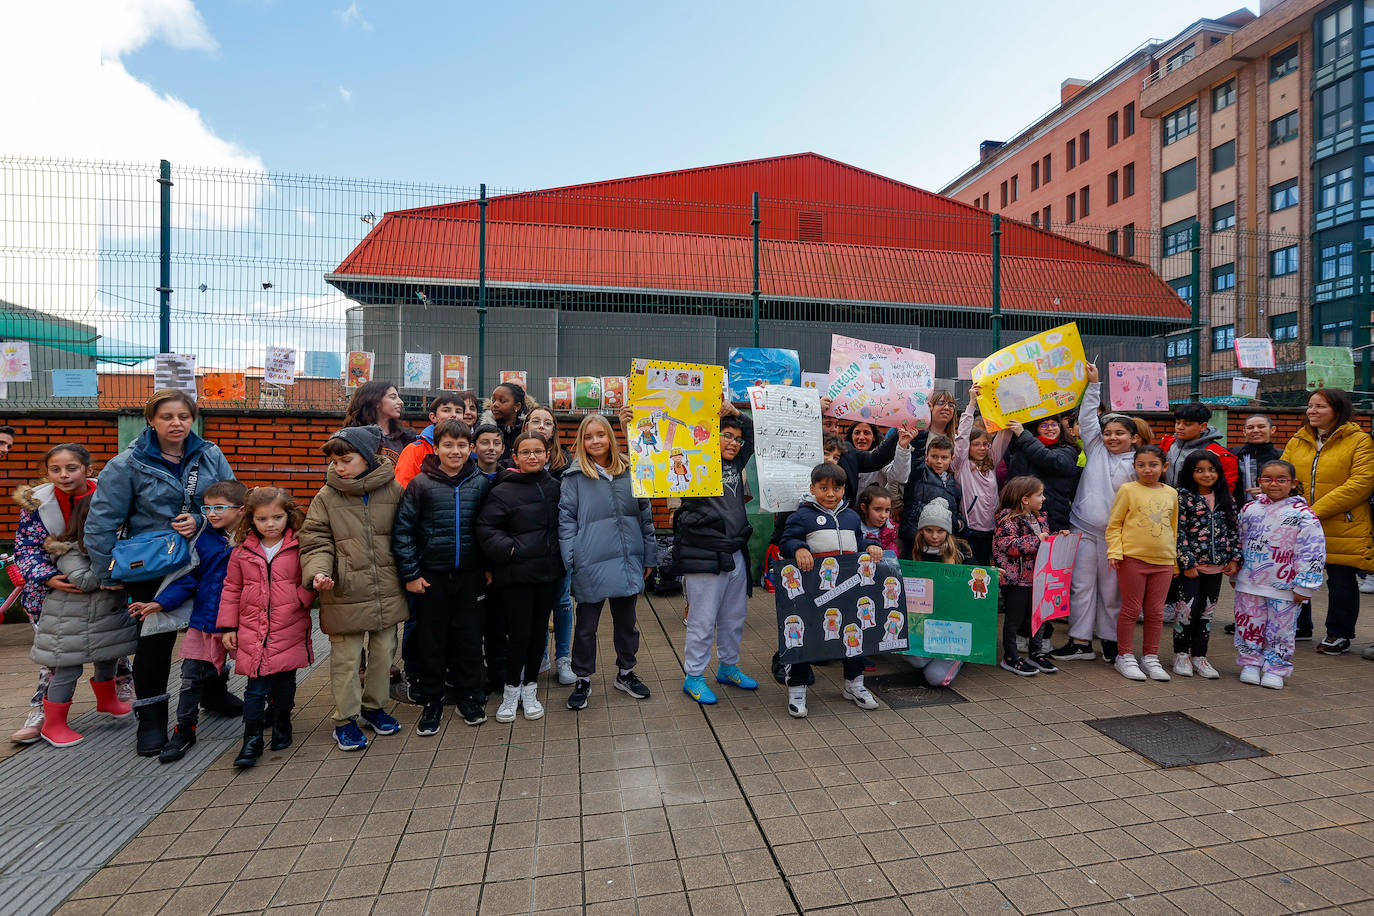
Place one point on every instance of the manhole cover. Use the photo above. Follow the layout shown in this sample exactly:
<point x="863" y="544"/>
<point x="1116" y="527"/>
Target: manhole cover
<point x="1172" y="739"/>
<point x="905" y="690"/>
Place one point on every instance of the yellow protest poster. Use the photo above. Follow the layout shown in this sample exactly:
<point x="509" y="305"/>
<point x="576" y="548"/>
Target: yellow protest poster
<point x="674" y="434"/>
<point x="1038" y="377"/>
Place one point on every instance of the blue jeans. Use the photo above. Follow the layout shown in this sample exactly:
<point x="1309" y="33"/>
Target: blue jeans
<point x="563" y="619"/>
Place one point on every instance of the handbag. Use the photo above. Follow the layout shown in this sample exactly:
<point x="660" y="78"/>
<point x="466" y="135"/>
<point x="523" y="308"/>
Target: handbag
<point x="154" y="554"/>
<point x="175" y="619"/>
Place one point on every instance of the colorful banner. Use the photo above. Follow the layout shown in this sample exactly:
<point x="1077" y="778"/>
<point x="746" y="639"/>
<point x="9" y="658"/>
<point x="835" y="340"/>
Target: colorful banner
<point x="1243" y="387"/>
<point x="751" y="366"/>
<point x="586" y="392"/>
<point x="1041" y="376"/>
<point x="878" y="383"/>
<point x="613" y="392"/>
<point x="1138" y="386"/>
<point x="417" y="370"/>
<point x="951" y="610"/>
<point x="1053" y="573"/>
<point x="281" y="366"/>
<point x="455" y="372"/>
<point x="787" y="443"/>
<point x="844" y="606"/>
<point x="223" y="386"/>
<point x="561" y="392"/>
<point x="175" y="370"/>
<point x="1254" y="352"/>
<point x="360" y="364"/>
<point x="515" y="377"/>
<point x="675" y="428"/>
<point x="1330" y="367"/>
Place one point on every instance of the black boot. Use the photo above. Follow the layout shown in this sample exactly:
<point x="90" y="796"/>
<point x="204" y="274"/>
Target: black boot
<point x="216" y="699"/>
<point x="281" y="730"/>
<point x="252" y="745"/>
<point x="152" y="728"/>
<point x="181" y="741"/>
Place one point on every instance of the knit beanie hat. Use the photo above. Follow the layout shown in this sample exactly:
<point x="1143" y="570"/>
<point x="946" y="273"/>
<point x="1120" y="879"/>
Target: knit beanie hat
<point x="365" y="440"/>
<point x="936" y="514"/>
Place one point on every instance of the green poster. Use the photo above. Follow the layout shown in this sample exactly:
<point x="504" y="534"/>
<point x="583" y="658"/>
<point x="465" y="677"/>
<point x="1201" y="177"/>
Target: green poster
<point x="1330" y="367"/>
<point x="587" y="392"/>
<point x="951" y="611"/>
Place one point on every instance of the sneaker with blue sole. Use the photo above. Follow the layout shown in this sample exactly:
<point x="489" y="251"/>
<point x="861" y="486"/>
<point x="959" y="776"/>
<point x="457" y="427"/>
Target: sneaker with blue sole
<point x="730" y="674"/>
<point x="695" y="687"/>
<point x="349" y="736"/>
<point x="380" y="721"/>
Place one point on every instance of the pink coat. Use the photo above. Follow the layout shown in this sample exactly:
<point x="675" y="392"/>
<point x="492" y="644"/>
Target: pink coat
<point x="269" y="607"/>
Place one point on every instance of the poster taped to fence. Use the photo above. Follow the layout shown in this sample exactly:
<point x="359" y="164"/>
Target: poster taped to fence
<point x="1138" y="386"/>
<point x="845" y="606"/>
<point x="224" y="386"/>
<point x="418" y="370"/>
<point x="587" y="392"/>
<point x="951" y="610"/>
<point x="175" y="370"/>
<point x="14" y="361"/>
<point x="75" y="383"/>
<point x="787" y="443"/>
<point x="1053" y="573"/>
<point x="1330" y="367"/>
<point x="879" y="383"/>
<point x="675" y="428"/>
<point x="613" y="392"/>
<point x="1043" y="375"/>
<point x="281" y="366"/>
<point x="515" y="377"/>
<point x="750" y="366"/>
<point x="1243" y="387"/>
<point x="455" y="372"/>
<point x="360" y="363"/>
<point x="561" y="392"/>
<point x="1255" y="352"/>
<point x="815" y="380"/>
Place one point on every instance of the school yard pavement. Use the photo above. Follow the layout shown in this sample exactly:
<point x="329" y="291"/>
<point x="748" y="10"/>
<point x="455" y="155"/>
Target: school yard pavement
<point x="1008" y="802"/>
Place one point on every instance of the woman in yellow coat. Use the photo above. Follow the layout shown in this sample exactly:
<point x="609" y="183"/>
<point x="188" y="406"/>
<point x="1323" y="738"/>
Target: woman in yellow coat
<point x="1334" y="459"/>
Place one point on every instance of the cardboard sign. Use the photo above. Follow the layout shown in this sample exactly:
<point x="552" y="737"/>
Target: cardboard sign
<point x="1243" y="387"/>
<point x="1053" y="574"/>
<point x="75" y="383"/>
<point x="586" y="392"/>
<point x="561" y="392"/>
<point x="878" y="383"/>
<point x="223" y="386"/>
<point x="1039" y="377"/>
<point x="951" y="610"/>
<point x="1138" y="386"/>
<point x="756" y="366"/>
<point x="845" y="606"/>
<point x="1254" y="352"/>
<point x="515" y="377"/>
<point x="787" y="443"/>
<point x="455" y="372"/>
<point x="417" y="370"/>
<point x="1330" y="367"/>
<point x="613" y="392"/>
<point x="175" y="370"/>
<point x="281" y="366"/>
<point x="674" y="433"/>
<point x="360" y="364"/>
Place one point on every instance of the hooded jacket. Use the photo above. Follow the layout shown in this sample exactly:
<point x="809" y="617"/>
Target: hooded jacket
<point x="1103" y="472"/>
<point x="347" y="537"/>
<point x="979" y="488"/>
<point x="1250" y="459"/>
<point x="1176" y="452"/>
<point x="1284" y="549"/>
<point x="93" y="626"/>
<point x="1337" y="479"/>
<point x="434" y="524"/>
<point x="606" y="534"/>
<point x="1056" y="466"/>
<point x="265" y="601"/>
<point x="517" y="528"/>
<point x="709" y="530"/>
<point x="1015" y="544"/>
<point x="40" y="515"/>
<point x="1206" y="536"/>
<point x="822" y="531"/>
<point x="408" y="465"/>
<point x="203" y="584"/>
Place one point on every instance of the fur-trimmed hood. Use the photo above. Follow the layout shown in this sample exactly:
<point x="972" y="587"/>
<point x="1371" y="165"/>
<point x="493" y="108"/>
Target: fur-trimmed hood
<point x="57" y="547"/>
<point x="30" y="496"/>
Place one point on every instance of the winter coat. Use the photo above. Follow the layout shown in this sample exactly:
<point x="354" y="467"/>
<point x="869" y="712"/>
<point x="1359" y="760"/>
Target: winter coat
<point x="1015" y="544"/>
<point x="203" y="584"/>
<point x="885" y="537"/>
<point x="822" y="531"/>
<point x="347" y="537"/>
<point x="1103" y="472"/>
<point x="517" y="529"/>
<point x="408" y="464"/>
<point x="434" y="525"/>
<point x="1056" y="466"/>
<point x="1176" y="451"/>
<point x="979" y="487"/>
<point x="40" y="516"/>
<point x="269" y="607"/>
<point x="93" y="626"/>
<point x="1337" y="480"/>
<point x="605" y="534"/>
<point x="923" y="486"/>
<point x="1284" y="548"/>
<point x="1206" y="536"/>
<point x="1250" y="459"/>
<point x="709" y="530"/>
<point x="856" y="462"/>
<point x="136" y="487"/>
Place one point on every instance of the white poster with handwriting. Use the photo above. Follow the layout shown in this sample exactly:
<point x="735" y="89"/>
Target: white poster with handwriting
<point x="787" y="443"/>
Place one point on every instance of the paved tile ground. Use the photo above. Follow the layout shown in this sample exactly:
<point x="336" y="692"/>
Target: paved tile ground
<point x="1006" y="803"/>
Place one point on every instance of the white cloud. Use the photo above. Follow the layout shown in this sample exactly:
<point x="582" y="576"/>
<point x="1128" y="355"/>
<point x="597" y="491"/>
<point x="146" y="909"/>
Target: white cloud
<point x="353" y="16"/>
<point x="346" y="94"/>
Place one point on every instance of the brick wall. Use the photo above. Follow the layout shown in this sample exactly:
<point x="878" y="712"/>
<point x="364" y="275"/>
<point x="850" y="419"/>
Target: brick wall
<point x="1287" y="421"/>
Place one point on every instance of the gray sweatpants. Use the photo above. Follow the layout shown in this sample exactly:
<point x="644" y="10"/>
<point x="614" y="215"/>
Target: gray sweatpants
<point x="62" y="687"/>
<point x="717" y="606"/>
<point x="1094" y="595"/>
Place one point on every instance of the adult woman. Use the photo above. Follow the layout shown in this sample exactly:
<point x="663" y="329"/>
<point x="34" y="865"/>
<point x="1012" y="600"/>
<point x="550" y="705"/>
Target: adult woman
<point x="1251" y="455"/>
<point x="378" y="403"/>
<point x="865" y="437"/>
<point x="507" y="410"/>
<point x="943" y="410"/>
<point x="154" y="484"/>
<point x="1334" y="459"/>
<point x="1046" y="456"/>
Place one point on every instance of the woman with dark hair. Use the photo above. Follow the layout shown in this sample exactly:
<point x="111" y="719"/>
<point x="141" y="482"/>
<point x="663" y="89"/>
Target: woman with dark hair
<point x="507" y="410"/>
<point x="1251" y="455"/>
<point x="1040" y="451"/>
<point x="156" y="483"/>
<point x="378" y="403"/>
<point x="1334" y="459"/>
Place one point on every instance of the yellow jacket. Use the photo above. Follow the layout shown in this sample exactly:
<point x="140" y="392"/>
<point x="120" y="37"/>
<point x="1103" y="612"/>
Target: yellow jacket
<point x="1144" y="524"/>
<point x="1337" y="480"/>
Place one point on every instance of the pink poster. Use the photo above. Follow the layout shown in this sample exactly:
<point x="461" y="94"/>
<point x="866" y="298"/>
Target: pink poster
<point x="879" y="383"/>
<point x="1138" y="386"/>
<point x="1053" y="573"/>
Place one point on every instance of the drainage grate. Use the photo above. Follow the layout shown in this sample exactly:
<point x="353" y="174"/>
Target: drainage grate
<point x="909" y="689"/>
<point x="1172" y="739"/>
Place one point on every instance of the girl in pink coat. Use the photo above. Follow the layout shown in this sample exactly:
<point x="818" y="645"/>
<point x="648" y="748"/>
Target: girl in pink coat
<point x="264" y="614"/>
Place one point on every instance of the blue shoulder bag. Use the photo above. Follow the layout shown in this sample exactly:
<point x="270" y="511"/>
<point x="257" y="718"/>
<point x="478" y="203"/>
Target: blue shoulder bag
<point x="154" y="554"/>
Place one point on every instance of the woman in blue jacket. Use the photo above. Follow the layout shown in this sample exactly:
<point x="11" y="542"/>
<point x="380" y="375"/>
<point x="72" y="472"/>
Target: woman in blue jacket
<point x="156" y="483"/>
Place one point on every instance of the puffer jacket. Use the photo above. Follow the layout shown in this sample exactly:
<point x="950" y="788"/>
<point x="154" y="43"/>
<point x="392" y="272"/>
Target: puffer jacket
<point x="347" y="536"/>
<point x="1103" y="472"/>
<point x="1055" y="466"/>
<point x="822" y="531"/>
<point x="925" y="486"/>
<point x="605" y="534"/>
<point x="1337" y="480"/>
<point x="434" y="525"/>
<point x="517" y="528"/>
<point x="203" y="584"/>
<point x="709" y="530"/>
<point x="39" y="517"/>
<point x="1015" y="544"/>
<point x="1205" y="535"/>
<point x="269" y="607"/>
<point x="94" y="626"/>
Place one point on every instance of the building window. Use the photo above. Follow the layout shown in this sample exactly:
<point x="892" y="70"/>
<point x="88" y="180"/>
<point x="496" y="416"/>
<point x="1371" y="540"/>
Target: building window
<point x="1035" y="175"/>
<point x="1070" y="154"/>
<point x="1336" y="187"/>
<point x="1128" y="120"/>
<point x="1283" y="195"/>
<point x="1283" y="327"/>
<point x="1180" y="123"/>
<point x="1128" y="240"/>
<point x="1045" y="169"/>
<point x="1223" y="338"/>
<point x="1128" y="179"/>
<point x="1045" y="217"/>
<point x="1335" y="108"/>
<point x="1070" y="208"/>
<point x="1369" y="84"/>
<point x="1113" y="188"/>
<point x="1179" y="347"/>
<point x="1113" y="242"/>
<point x="1224" y="96"/>
<point x="1177" y="237"/>
<point x="1113" y="128"/>
<point x="1284" y="62"/>
<point x="1083" y="202"/>
<point x="1224" y="156"/>
<point x="1335" y="271"/>
<point x="1004" y="195"/>
<point x="1337" y="333"/>
<point x="1224" y="278"/>
<point x="1283" y="261"/>
<point x="1335" y="34"/>
<point x="1283" y="128"/>
<point x="1180" y="180"/>
<point x="1179" y="58"/>
<point x="1083" y="147"/>
<point x="1015" y="189"/>
<point x="986" y="205"/>
<point x="1035" y="218"/>
<point x="1368" y="177"/>
<point x="1223" y="217"/>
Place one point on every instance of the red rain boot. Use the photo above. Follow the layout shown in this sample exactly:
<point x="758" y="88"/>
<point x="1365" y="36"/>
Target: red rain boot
<point x="55" y="730"/>
<point x="107" y="700"/>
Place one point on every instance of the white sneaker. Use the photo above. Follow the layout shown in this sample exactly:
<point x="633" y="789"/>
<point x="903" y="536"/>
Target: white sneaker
<point x="529" y="702"/>
<point x="510" y="702"/>
<point x="1204" y="668"/>
<point x="1170" y="613"/>
<point x="1183" y="666"/>
<point x="1126" y="666"/>
<point x="856" y="691"/>
<point x="796" y="702"/>
<point x="1271" y="680"/>
<point x="124" y="690"/>
<point x="546" y="664"/>
<point x="565" y="672"/>
<point x="1367" y="585"/>
<point x="1250" y="674"/>
<point x="1151" y="666"/>
<point x="1022" y="645"/>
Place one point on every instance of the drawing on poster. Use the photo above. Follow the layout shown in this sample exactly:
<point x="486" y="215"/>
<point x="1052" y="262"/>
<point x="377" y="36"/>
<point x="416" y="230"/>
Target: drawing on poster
<point x="787" y="443"/>
<point x="892" y="592"/>
<point x="1042" y="375"/>
<point x="957" y="617"/>
<point x="586" y="392"/>
<point x="892" y="633"/>
<point x="1330" y="367"/>
<point x="1051" y="578"/>
<point x="816" y="623"/>
<point x="1255" y="352"/>
<point x="759" y="366"/>
<point x="793" y="631"/>
<point x="455" y="370"/>
<point x="561" y="392"/>
<point x="418" y="370"/>
<point x="281" y="366"/>
<point x="879" y="383"/>
<point x="978" y="582"/>
<point x="866" y="612"/>
<point x="791" y="581"/>
<point x="867" y="567"/>
<point x="1138" y="386"/>
<point x="830" y="572"/>
<point x="360" y="363"/>
<point x="675" y="412"/>
<point x="613" y="392"/>
<point x="853" y="640"/>
<point x="223" y="386"/>
<point x="831" y="623"/>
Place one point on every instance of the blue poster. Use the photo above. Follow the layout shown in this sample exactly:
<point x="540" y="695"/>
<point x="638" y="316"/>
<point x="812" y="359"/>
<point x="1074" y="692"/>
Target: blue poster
<point x="74" y="383"/>
<point x="760" y="365"/>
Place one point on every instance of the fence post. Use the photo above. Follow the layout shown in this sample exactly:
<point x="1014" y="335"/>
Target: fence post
<point x="481" y="291"/>
<point x="996" y="282"/>
<point x="164" y="286"/>
<point x="1195" y="354"/>
<point x="1362" y="340"/>
<point x="754" y="225"/>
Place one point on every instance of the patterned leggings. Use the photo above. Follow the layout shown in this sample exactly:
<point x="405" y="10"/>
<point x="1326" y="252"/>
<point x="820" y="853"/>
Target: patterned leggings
<point x="1265" y="628"/>
<point x="1193" y="613"/>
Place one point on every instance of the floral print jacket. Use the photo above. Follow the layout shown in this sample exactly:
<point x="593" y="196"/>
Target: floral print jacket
<point x="1015" y="544"/>
<point x="1205" y="535"/>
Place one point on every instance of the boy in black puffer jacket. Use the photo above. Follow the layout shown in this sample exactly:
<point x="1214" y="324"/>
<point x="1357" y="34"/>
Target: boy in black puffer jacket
<point x="438" y="560"/>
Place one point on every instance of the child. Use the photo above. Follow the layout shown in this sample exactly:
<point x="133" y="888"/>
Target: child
<point x="542" y="420"/>
<point x="517" y="527"/>
<point x="710" y="552"/>
<point x="264" y="614"/>
<point x="1285" y="552"/>
<point x="935" y="543"/>
<point x="438" y="559"/>
<point x="607" y="539"/>
<point x="976" y="455"/>
<point x="875" y="513"/>
<point x="488" y="450"/>
<point x="1045" y="455"/>
<point x="345" y="547"/>
<point x="506" y="411"/>
<point x="932" y="480"/>
<point x="379" y="403"/>
<point x="1191" y="432"/>
<point x="471" y="408"/>
<point x="1142" y="546"/>
<point x="824" y="526"/>
<point x="1208" y="548"/>
<point x="447" y="405"/>
<point x="80" y="623"/>
<point x="1109" y="445"/>
<point x="204" y="675"/>
<point x="1021" y="527"/>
